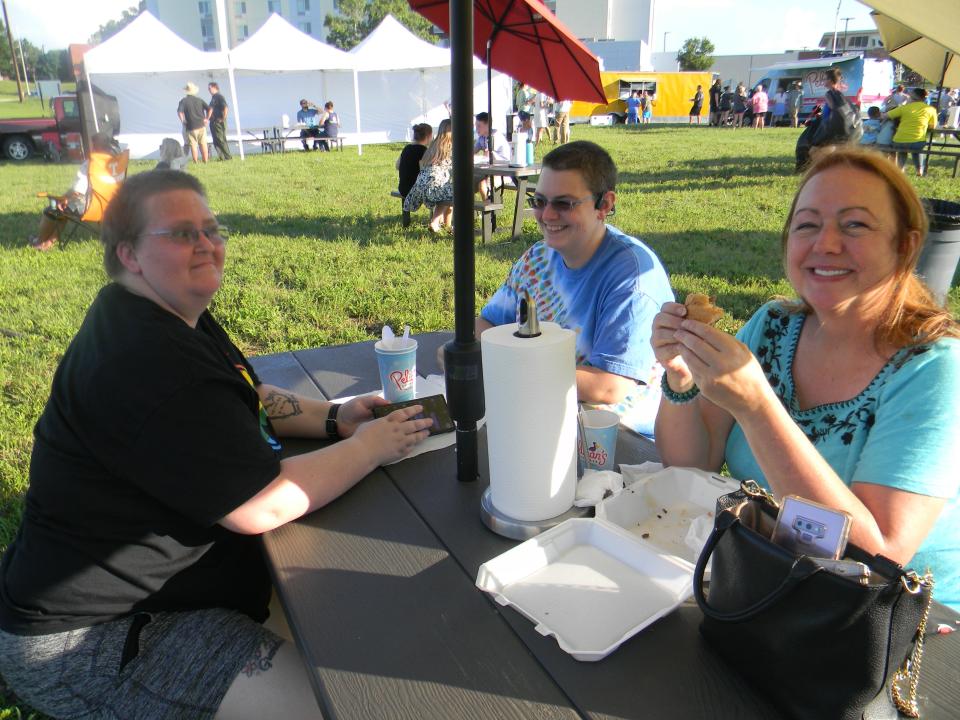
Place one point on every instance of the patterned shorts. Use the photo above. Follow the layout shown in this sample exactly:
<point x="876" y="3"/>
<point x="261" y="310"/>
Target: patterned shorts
<point x="159" y="665"/>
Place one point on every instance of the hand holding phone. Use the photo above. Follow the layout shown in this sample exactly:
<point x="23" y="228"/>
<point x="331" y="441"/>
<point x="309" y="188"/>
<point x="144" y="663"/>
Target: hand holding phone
<point x="434" y="407"/>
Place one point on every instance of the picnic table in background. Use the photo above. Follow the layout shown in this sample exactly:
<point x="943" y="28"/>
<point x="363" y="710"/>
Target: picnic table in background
<point x="520" y="177"/>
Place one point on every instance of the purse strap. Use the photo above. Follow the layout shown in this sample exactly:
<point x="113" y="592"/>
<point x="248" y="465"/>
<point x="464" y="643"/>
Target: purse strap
<point x="799" y="571"/>
<point x="910" y="670"/>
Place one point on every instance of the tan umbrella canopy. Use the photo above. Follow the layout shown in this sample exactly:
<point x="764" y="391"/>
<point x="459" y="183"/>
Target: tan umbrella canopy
<point x="935" y="62"/>
<point x="938" y="20"/>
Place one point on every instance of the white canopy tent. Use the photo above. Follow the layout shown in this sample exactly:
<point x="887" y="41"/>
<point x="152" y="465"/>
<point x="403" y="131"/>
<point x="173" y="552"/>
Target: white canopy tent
<point x="389" y="82"/>
<point x="146" y="67"/>
<point x="405" y="80"/>
<point x="279" y="64"/>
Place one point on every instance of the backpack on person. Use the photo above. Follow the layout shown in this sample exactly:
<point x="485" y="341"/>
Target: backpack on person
<point x="844" y="124"/>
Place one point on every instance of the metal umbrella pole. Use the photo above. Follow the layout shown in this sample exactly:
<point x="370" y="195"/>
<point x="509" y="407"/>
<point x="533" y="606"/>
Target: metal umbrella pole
<point x="464" y="375"/>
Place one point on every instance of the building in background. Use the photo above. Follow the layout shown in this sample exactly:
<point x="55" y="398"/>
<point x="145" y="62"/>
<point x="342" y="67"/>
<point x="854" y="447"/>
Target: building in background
<point x="619" y="32"/>
<point x="196" y="20"/>
<point x="867" y="42"/>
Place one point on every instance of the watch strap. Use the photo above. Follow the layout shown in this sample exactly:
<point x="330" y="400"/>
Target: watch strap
<point x="333" y="431"/>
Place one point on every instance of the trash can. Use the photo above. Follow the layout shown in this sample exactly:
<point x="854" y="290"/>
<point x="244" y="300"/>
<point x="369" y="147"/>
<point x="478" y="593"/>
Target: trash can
<point x="941" y="249"/>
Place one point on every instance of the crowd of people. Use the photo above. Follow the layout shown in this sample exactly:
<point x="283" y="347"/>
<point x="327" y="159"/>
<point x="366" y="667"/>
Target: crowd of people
<point x="136" y="580"/>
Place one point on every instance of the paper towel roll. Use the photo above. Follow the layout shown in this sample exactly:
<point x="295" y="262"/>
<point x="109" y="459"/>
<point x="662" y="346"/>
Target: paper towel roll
<point x="530" y="388"/>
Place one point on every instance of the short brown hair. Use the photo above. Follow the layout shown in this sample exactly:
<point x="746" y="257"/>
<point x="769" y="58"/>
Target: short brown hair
<point x="911" y="316"/>
<point x="592" y="161"/>
<point x="125" y="219"/>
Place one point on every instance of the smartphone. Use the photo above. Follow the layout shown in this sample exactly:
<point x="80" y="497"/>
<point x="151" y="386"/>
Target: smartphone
<point x="809" y="528"/>
<point x="434" y="407"/>
<point x="852" y="569"/>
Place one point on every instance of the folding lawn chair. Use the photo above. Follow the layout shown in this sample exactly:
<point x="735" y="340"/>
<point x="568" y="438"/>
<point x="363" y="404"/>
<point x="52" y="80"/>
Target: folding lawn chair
<point x="105" y="175"/>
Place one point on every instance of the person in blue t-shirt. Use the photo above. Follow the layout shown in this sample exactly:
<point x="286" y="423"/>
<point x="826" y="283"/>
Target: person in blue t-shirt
<point x="849" y="396"/>
<point x="591" y="278"/>
<point x="309" y="116"/>
<point x="633" y="108"/>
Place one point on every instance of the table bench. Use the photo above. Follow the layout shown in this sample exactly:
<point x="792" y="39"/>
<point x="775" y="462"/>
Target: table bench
<point x="378" y="588"/>
<point x="943" y="149"/>
<point x="486" y="209"/>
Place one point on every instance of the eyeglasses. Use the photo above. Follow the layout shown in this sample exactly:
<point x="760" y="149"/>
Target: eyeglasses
<point x="190" y="236"/>
<point x="560" y="205"/>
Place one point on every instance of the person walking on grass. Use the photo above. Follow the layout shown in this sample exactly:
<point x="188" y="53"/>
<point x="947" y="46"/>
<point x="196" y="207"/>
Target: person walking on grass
<point x="217" y="116"/>
<point x="759" y="102"/>
<point x="697" y="101"/>
<point x="193" y="112"/>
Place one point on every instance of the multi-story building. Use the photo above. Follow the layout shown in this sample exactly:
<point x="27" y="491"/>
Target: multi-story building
<point x="196" y="20"/>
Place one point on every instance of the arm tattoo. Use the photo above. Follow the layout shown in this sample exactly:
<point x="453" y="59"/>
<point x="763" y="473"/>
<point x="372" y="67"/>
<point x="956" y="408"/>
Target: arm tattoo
<point x="281" y="405"/>
<point x="262" y="658"/>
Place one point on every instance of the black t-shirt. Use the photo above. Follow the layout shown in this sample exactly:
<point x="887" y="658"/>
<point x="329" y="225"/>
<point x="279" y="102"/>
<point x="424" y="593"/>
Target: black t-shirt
<point x="218" y="108"/>
<point x="152" y="433"/>
<point x="409" y="166"/>
<point x="194" y="110"/>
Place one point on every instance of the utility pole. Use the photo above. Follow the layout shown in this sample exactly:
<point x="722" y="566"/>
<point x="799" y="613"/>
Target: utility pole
<point x="665" y="40"/>
<point x="846" y="24"/>
<point x="836" y="23"/>
<point x="13" y="55"/>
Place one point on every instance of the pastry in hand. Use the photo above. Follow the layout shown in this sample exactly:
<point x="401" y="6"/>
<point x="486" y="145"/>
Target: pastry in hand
<point x="701" y="308"/>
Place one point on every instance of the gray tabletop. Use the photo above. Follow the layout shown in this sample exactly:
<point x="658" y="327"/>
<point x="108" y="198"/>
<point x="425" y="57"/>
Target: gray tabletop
<point x="379" y="591"/>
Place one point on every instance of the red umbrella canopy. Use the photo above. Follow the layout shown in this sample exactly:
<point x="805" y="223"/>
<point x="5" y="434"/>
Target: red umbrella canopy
<point x="527" y="42"/>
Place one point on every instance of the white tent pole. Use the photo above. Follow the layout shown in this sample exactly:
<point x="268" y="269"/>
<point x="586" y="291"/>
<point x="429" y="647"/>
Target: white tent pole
<point x="236" y="104"/>
<point x="93" y="108"/>
<point x="225" y="49"/>
<point x="356" y="109"/>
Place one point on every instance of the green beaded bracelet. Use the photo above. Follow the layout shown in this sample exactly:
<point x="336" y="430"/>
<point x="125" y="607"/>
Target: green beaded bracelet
<point x="673" y="396"/>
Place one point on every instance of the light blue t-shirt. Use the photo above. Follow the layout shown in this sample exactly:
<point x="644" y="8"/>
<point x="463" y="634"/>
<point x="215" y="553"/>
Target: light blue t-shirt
<point x="609" y="302"/>
<point x="308" y="117"/>
<point x="902" y="431"/>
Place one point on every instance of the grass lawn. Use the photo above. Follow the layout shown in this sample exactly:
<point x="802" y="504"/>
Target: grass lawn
<point x="317" y="255"/>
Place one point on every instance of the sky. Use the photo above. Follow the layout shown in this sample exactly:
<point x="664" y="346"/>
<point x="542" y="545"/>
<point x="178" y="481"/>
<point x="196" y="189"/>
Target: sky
<point x="734" y="26"/>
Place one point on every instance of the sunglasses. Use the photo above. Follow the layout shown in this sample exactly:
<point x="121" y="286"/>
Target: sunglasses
<point x="560" y="205"/>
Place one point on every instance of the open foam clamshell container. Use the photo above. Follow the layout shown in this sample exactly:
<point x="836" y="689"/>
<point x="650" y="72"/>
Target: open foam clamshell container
<point x="590" y="584"/>
<point x="660" y="509"/>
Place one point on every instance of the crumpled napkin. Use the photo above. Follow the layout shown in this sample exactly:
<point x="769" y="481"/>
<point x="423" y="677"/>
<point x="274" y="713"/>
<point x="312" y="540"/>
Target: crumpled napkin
<point x="635" y="473"/>
<point x="698" y="532"/>
<point x="595" y="485"/>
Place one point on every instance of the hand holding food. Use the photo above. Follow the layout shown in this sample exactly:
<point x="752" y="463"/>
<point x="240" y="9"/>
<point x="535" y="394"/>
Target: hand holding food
<point x="701" y="308"/>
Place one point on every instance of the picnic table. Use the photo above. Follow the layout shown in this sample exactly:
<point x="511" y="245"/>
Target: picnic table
<point x="520" y="177"/>
<point x="378" y="588"/>
<point x="944" y="147"/>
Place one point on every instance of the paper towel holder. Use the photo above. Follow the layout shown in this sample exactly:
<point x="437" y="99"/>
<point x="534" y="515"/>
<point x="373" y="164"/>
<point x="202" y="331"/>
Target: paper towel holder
<point x="527" y="316"/>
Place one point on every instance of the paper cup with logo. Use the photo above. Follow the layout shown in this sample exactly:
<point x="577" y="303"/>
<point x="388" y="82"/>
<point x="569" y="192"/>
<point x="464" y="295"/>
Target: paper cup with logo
<point x="599" y="443"/>
<point x="398" y="369"/>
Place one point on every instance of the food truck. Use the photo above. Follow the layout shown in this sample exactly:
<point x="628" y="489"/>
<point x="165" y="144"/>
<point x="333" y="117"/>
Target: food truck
<point x="672" y="92"/>
<point x="867" y="82"/>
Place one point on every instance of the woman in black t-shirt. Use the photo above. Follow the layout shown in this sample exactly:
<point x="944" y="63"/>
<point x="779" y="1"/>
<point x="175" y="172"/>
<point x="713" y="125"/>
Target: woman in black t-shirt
<point x="136" y="584"/>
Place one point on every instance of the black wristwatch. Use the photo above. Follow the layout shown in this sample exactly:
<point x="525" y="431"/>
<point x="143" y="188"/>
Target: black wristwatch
<point x="333" y="432"/>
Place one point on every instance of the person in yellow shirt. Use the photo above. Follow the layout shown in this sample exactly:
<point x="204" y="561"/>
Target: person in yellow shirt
<point x="916" y="119"/>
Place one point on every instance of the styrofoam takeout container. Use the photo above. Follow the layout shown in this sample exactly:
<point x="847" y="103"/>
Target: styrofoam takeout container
<point x="660" y="509"/>
<point x="588" y="583"/>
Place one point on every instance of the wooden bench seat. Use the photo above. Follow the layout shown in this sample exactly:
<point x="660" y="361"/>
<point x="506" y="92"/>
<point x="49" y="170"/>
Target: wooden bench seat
<point x="485" y="208"/>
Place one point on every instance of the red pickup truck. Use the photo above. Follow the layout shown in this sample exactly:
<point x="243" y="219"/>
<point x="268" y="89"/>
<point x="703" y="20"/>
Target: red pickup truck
<point x="55" y="137"/>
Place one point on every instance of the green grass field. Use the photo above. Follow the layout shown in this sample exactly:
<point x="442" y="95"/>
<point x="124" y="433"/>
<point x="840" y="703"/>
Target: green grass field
<point x="317" y="255"/>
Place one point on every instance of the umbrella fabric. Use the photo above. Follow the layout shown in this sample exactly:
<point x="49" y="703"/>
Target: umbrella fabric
<point x="918" y="52"/>
<point x="938" y="20"/>
<point x="528" y="43"/>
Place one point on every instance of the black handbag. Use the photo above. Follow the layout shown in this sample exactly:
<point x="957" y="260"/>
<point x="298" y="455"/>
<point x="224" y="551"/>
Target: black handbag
<point x="819" y="645"/>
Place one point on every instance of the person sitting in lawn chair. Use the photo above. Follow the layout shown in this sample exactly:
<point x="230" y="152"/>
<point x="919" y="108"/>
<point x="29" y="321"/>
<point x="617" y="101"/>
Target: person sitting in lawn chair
<point x="590" y="277"/>
<point x="97" y="179"/>
<point x="136" y="585"/>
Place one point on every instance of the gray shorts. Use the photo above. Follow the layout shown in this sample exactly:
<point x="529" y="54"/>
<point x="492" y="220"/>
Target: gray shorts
<point x="159" y="665"/>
